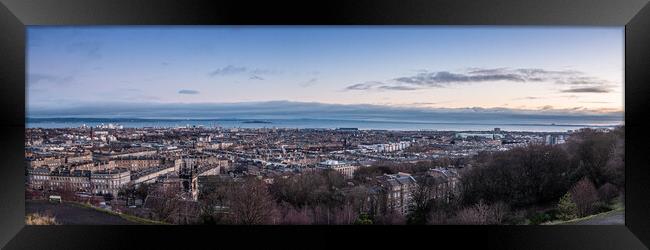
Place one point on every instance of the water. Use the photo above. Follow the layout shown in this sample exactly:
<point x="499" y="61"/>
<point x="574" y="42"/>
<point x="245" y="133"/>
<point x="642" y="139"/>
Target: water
<point x="309" y="123"/>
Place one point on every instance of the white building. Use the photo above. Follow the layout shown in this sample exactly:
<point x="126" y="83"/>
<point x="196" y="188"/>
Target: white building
<point x="346" y="169"/>
<point x="387" y="147"/>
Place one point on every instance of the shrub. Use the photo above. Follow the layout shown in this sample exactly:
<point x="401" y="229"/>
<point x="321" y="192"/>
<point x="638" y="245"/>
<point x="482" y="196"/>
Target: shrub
<point x="40" y="219"/>
<point x="438" y="217"/>
<point x="607" y="192"/>
<point x="567" y="209"/>
<point x="600" y="207"/>
<point x="517" y="217"/>
<point x="540" y="218"/>
<point x="364" y="219"/>
<point x="482" y="214"/>
<point x="585" y="196"/>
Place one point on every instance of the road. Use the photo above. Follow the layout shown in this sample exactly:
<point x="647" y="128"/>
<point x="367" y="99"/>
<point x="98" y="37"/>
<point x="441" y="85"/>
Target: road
<point x="613" y="218"/>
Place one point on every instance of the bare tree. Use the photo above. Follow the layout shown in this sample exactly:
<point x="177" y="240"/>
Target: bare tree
<point x="345" y="215"/>
<point x="482" y="213"/>
<point x="250" y="203"/>
<point x="291" y="215"/>
<point x="607" y="192"/>
<point x="390" y="217"/>
<point x="474" y="215"/>
<point x="585" y="196"/>
<point x="421" y="201"/>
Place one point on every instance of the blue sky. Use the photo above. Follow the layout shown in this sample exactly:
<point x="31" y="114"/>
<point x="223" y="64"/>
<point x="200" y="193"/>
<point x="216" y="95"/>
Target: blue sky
<point x="559" y="69"/>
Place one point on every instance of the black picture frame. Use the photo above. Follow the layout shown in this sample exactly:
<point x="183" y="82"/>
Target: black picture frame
<point x="15" y="15"/>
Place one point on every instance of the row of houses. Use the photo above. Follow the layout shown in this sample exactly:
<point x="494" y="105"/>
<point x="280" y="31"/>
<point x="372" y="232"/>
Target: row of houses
<point x="97" y="182"/>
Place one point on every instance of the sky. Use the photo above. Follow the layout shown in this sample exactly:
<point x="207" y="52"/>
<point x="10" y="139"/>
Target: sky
<point x="534" y="69"/>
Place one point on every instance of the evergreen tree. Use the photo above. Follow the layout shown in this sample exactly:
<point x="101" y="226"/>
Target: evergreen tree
<point x="567" y="208"/>
<point x="364" y="219"/>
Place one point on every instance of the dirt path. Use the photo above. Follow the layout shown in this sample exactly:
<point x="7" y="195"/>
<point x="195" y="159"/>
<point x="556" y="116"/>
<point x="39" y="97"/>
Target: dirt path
<point x="613" y="218"/>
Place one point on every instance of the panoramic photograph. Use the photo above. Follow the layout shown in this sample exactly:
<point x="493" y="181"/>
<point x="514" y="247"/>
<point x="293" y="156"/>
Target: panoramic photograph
<point x="324" y="125"/>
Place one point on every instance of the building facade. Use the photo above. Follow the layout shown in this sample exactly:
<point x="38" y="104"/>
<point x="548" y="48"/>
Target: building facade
<point x="346" y="169"/>
<point x="97" y="182"/>
<point x="392" y="193"/>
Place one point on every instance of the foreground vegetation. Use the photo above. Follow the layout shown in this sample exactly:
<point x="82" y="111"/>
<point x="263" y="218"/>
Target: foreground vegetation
<point x="543" y="183"/>
<point x="40" y="219"/>
<point x="125" y="216"/>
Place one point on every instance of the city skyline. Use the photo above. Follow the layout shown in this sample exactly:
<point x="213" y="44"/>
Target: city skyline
<point x="432" y="68"/>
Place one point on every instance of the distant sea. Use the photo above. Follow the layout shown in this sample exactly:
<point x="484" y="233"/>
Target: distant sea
<point x="306" y="123"/>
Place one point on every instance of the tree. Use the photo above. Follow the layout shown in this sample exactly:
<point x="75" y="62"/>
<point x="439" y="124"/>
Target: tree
<point x="358" y="196"/>
<point x="521" y="176"/>
<point x="389" y="217"/>
<point x="212" y="200"/>
<point x="422" y="201"/>
<point x="475" y="215"/>
<point x="567" y="209"/>
<point x="366" y="174"/>
<point x="164" y="202"/>
<point x="311" y="189"/>
<point x="142" y="191"/>
<point x="364" y="219"/>
<point x="597" y="155"/>
<point x="482" y="214"/>
<point x="607" y="192"/>
<point x="585" y="196"/>
<point x="345" y="215"/>
<point x="250" y="203"/>
<point x="291" y="215"/>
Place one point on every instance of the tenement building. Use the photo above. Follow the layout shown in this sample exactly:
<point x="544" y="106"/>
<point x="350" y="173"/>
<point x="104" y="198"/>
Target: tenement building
<point x="445" y="183"/>
<point x="346" y="169"/>
<point x="97" y="182"/>
<point x="392" y="193"/>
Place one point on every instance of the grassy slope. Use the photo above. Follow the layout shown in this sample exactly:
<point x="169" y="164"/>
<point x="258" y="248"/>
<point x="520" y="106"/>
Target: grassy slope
<point x="616" y="207"/>
<point x="124" y="216"/>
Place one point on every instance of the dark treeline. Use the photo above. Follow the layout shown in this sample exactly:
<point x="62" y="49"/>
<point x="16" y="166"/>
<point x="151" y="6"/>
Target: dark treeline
<point x="539" y="174"/>
<point x="589" y="168"/>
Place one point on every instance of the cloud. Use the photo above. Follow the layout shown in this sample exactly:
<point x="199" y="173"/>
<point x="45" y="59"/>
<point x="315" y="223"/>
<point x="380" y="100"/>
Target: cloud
<point x="228" y="70"/>
<point x="308" y="83"/>
<point x="90" y="50"/>
<point x="263" y="71"/>
<point x="361" y="86"/>
<point x="131" y="90"/>
<point x="188" y="92"/>
<point x="397" y="88"/>
<point x="600" y="102"/>
<point x="37" y="78"/>
<point x="254" y="77"/>
<point x="234" y="70"/>
<point x="587" y="90"/>
<point x="441" y="79"/>
<point x="528" y="98"/>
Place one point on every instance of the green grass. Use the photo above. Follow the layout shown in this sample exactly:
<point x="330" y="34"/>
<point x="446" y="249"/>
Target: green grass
<point x="569" y="222"/>
<point x="616" y="206"/>
<point x="127" y="217"/>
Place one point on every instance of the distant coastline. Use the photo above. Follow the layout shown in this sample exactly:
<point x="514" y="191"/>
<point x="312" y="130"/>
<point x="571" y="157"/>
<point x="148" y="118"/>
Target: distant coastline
<point x="257" y="121"/>
<point x="310" y="123"/>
